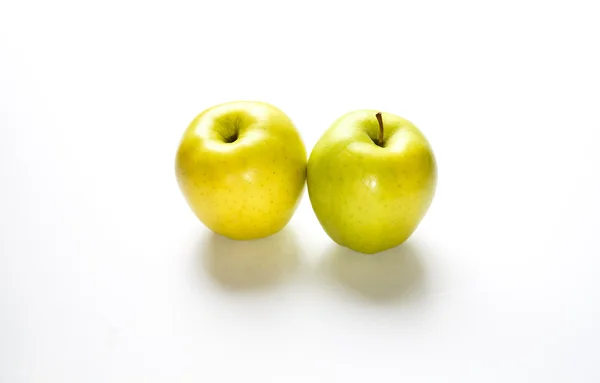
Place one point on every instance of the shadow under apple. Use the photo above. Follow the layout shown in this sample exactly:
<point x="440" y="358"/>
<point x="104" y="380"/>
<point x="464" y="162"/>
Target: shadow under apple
<point x="393" y="276"/>
<point x="250" y="265"/>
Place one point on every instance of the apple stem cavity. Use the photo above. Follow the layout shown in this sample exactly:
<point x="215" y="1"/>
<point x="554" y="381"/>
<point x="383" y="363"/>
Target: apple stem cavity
<point x="380" y="120"/>
<point x="231" y="138"/>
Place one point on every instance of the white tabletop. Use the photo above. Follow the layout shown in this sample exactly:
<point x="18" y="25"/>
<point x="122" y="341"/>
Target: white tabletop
<point x="106" y="275"/>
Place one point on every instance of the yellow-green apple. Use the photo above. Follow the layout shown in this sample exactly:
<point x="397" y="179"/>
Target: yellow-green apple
<point x="241" y="167"/>
<point x="371" y="179"/>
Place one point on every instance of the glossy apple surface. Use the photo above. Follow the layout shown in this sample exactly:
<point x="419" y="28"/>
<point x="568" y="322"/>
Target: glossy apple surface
<point x="241" y="167"/>
<point x="370" y="191"/>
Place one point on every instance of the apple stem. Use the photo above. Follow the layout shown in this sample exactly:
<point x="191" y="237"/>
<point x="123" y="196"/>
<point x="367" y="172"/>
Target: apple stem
<point x="380" y="120"/>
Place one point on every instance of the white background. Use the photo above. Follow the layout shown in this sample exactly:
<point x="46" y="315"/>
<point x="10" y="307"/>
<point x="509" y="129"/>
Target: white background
<point x="106" y="275"/>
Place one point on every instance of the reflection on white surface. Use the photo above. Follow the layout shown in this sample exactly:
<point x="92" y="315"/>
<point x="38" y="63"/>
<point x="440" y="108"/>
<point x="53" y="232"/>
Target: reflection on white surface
<point x="250" y="265"/>
<point x="392" y="276"/>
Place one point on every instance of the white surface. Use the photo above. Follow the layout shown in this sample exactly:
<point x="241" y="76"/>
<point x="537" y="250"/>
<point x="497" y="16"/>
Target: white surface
<point x="106" y="276"/>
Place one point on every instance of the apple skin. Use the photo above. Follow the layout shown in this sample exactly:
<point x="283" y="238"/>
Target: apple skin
<point x="241" y="167"/>
<point x="367" y="197"/>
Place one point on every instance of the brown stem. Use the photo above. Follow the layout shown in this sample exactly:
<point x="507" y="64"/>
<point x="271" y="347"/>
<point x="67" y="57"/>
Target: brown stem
<point x="380" y="138"/>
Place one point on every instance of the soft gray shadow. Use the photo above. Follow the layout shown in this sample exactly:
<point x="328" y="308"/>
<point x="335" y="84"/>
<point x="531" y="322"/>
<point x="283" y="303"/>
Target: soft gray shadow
<point x="393" y="276"/>
<point x="250" y="265"/>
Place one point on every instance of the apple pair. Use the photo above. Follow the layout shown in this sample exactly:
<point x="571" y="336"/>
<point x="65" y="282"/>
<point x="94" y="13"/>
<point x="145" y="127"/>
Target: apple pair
<point x="371" y="177"/>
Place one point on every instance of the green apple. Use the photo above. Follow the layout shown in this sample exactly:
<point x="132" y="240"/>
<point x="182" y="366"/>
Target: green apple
<point x="241" y="167"/>
<point x="371" y="179"/>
